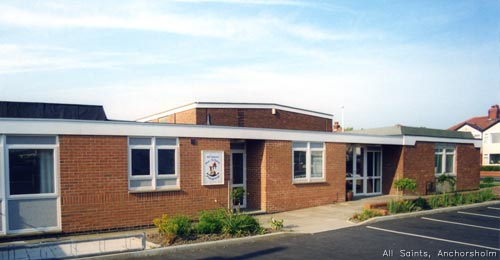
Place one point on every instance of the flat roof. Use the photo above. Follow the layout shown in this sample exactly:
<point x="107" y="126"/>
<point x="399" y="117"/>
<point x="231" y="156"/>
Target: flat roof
<point x="14" y="109"/>
<point x="18" y="126"/>
<point x="195" y="105"/>
<point x="401" y="130"/>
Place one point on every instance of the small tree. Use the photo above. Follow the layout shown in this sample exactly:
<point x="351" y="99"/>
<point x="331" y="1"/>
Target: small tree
<point x="238" y="195"/>
<point x="405" y="184"/>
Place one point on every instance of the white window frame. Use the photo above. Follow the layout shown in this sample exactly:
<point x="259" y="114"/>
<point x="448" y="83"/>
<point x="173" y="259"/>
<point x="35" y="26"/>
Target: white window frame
<point x="54" y="148"/>
<point x="6" y="185"/>
<point x="308" y="150"/>
<point x="2" y="187"/>
<point x="442" y="152"/>
<point x="153" y="165"/>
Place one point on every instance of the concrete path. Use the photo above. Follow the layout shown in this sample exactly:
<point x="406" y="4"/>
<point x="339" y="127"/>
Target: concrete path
<point x="71" y="248"/>
<point x="322" y="218"/>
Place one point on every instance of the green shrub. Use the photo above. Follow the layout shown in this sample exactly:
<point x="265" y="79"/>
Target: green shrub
<point x="239" y="224"/>
<point x="485" y="195"/>
<point x="210" y="222"/>
<point x="400" y="206"/>
<point x="367" y="214"/>
<point x="406" y="184"/>
<point x="421" y="203"/>
<point x="172" y="228"/>
<point x="488" y="180"/>
<point x="490" y="168"/>
<point x="459" y="199"/>
<point x="392" y="207"/>
<point x="444" y="200"/>
<point x="470" y="198"/>
<point x="238" y="194"/>
<point x="276" y="224"/>
<point x="434" y="202"/>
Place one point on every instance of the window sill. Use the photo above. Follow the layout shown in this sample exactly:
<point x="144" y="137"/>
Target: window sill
<point x="308" y="181"/>
<point x="154" y="190"/>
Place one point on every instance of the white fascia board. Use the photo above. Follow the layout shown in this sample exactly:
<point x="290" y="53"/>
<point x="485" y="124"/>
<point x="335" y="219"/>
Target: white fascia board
<point x="66" y="127"/>
<point x="235" y="105"/>
<point x="411" y="140"/>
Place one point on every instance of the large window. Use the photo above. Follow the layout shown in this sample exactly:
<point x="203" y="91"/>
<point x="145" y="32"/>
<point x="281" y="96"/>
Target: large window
<point x="444" y="160"/>
<point x="31" y="164"/>
<point x="494" y="158"/>
<point x="308" y="161"/>
<point x="153" y="164"/>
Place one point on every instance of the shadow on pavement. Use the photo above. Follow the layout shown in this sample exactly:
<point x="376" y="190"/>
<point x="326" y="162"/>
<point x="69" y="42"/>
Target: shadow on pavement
<point x="252" y="254"/>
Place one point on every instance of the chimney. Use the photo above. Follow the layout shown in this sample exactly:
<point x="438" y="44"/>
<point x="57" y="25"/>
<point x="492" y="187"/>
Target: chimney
<point x="337" y="127"/>
<point x="493" y="113"/>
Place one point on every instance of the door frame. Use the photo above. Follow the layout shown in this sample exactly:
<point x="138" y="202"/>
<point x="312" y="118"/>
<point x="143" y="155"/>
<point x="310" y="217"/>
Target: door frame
<point x="363" y="176"/>
<point x="5" y="188"/>
<point x="244" y="184"/>
<point x="372" y="150"/>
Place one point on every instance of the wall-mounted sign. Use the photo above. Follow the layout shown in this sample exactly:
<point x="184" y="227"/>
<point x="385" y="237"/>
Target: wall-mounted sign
<point x="212" y="168"/>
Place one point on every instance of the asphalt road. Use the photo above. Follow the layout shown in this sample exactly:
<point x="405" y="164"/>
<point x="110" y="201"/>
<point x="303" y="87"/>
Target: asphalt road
<point x="466" y="234"/>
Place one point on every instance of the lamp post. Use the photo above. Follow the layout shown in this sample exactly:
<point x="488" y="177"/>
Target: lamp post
<point x="343" y="126"/>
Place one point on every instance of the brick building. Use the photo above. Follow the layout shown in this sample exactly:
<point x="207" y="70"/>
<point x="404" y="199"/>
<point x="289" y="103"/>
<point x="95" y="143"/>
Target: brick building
<point x="72" y="172"/>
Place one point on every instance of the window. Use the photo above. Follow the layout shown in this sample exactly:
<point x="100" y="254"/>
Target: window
<point x="31" y="164"/>
<point x="153" y="164"/>
<point x="495" y="138"/>
<point x="308" y="161"/>
<point x="495" y="158"/>
<point x="444" y="160"/>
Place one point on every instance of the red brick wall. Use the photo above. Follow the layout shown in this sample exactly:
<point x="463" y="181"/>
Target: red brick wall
<point x="184" y="117"/>
<point x="283" y="195"/>
<point x="224" y="117"/>
<point x="392" y="167"/>
<point x="260" y="118"/>
<point x="255" y="168"/>
<point x="94" y="184"/>
<point x="468" y="169"/>
<point x="419" y="164"/>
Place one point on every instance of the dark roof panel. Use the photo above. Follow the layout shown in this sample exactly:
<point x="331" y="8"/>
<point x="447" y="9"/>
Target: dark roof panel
<point x="400" y="130"/>
<point x="51" y="110"/>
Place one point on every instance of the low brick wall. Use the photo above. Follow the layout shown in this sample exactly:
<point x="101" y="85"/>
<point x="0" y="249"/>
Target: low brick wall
<point x="490" y="173"/>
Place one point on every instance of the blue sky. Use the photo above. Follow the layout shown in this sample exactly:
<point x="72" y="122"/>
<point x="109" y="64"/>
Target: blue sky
<point x="419" y="63"/>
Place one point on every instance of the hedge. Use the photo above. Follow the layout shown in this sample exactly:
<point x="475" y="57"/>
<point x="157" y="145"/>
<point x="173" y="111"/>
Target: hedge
<point x="490" y="168"/>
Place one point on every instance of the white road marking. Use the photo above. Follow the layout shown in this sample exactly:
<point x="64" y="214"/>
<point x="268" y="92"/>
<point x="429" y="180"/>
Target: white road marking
<point x="461" y="224"/>
<point x="433" y="238"/>
<point x="494" y="208"/>
<point x="475" y="214"/>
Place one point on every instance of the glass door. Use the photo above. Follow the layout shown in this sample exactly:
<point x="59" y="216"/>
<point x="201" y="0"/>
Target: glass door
<point x="238" y="177"/>
<point x="373" y="180"/>
<point x="364" y="170"/>
<point x="354" y="169"/>
<point x="359" y="173"/>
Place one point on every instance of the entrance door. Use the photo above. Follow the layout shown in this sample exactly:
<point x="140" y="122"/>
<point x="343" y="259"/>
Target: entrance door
<point x="373" y="180"/>
<point x="364" y="170"/>
<point x="239" y="174"/>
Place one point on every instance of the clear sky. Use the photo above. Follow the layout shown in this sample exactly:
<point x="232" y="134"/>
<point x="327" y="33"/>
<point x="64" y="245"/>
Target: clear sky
<point x="419" y="63"/>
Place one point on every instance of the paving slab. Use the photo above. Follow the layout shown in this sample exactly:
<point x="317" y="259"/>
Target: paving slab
<point x="322" y="218"/>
